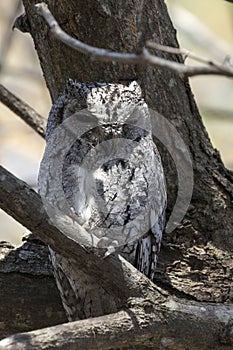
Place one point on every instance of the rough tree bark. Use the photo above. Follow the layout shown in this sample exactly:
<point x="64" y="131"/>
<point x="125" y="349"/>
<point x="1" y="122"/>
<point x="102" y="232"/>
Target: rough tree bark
<point x="196" y="259"/>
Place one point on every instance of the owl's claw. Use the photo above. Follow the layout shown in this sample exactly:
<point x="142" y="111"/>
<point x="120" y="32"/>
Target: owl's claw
<point x="111" y="249"/>
<point x="109" y="245"/>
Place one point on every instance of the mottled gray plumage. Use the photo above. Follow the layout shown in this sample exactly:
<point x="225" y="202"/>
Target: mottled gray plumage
<point x="114" y="183"/>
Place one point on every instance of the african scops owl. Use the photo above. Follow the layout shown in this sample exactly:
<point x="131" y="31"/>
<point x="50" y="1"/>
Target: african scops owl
<point x="113" y="181"/>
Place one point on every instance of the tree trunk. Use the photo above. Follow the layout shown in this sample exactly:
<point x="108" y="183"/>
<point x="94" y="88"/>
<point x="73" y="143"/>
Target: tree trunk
<point x="196" y="259"/>
<point x="125" y="26"/>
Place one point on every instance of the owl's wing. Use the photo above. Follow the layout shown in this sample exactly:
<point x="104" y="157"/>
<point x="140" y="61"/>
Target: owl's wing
<point x="144" y="252"/>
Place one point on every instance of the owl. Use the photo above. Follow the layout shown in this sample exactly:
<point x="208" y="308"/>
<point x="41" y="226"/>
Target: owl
<point x="111" y="180"/>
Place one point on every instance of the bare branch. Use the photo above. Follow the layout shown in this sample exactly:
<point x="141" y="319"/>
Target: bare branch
<point x="129" y="58"/>
<point x="171" y="325"/>
<point x="23" y="110"/>
<point x="200" y="35"/>
<point x="94" y="52"/>
<point x="180" y="51"/>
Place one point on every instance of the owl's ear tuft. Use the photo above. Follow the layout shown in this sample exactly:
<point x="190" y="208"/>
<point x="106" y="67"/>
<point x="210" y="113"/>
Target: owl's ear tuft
<point x="134" y="86"/>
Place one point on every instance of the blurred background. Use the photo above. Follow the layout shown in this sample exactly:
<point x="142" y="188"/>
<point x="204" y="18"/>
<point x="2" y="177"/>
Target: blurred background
<point x="205" y="27"/>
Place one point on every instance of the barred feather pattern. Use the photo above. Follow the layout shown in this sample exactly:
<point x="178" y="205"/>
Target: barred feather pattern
<point x="129" y="198"/>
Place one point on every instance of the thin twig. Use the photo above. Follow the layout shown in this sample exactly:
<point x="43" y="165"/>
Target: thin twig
<point x="23" y="110"/>
<point x="199" y="34"/>
<point x="180" y="51"/>
<point x="95" y="52"/>
<point x="145" y="57"/>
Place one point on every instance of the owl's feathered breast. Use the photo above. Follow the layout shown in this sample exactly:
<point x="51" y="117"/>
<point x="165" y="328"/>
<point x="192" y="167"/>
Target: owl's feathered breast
<point x="111" y="174"/>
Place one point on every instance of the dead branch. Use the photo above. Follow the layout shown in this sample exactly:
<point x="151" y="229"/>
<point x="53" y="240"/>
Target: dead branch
<point x="147" y="324"/>
<point x="23" y="110"/>
<point x="129" y="58"/>
<point x="196" y="31"/>
<point x="180" y="51"/>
